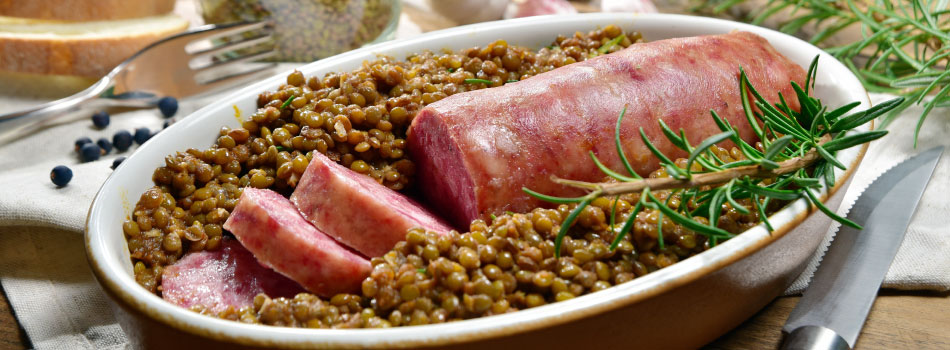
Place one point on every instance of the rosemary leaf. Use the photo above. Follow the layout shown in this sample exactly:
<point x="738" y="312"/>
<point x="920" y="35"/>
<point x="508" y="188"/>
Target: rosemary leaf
<point x="715" y="205"/>
<point x="838" y="112"/>
<point x="853" y="140"/>
<point x="771" y="192"/>
<point x="706" y="144"/>
<point x="857" y="119"/>
<point x="627" y="225"/>
<point x="746" y="106"/>
<point x="808" y="111"/>
<point x="620" y="153"/>
<point x="735" y="205"/>
<point x="553" y="199"/>
<point x="821" y="206"/>
<point x="673" y="170"/>
<point x="829" y="174"/>
<point x="613" y="212"/>
<point x="777" y="147"/>
<point x="940" y="79"/>
<point x="607" y="170"/>
<point x="829" y="157"/>
<point x="760" y="207"/>
<point x="930" y="106"/>
<point x="678" y="140"/>
<point x="569" y="221"/>
<point x="707" y="230"/>
<point x="768" y="164"/>
<point x="811" y="75"/>
<point x="805" y="181"/>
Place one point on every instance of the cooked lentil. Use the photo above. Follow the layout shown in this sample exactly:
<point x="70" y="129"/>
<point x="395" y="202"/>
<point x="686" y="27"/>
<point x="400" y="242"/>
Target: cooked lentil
<point x="359" y="119"/>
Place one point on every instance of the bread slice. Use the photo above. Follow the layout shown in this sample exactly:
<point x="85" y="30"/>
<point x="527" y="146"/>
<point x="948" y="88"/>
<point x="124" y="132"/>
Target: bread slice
<point x="88" y="49"/>
<point x="85" y="10"/>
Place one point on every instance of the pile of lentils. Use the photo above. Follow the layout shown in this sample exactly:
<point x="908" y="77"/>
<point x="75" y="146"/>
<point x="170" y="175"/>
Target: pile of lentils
<point x="357" y="118"/>
<point x="496" y="268"/>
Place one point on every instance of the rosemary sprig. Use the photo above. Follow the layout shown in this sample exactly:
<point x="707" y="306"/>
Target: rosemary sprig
<point x="903" y="49"/>
<point x="809" y="140"/>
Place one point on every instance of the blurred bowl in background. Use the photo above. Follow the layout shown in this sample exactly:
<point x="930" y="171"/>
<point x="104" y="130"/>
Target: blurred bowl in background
<point x="468" y="11"/>
<point x="307" y="30"/>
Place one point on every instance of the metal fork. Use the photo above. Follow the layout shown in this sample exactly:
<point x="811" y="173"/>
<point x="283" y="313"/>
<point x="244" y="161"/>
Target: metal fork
<point x="182" y="65"/>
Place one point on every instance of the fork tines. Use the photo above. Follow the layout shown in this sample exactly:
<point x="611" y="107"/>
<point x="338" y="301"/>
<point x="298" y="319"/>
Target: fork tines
<point x="230" y="52"/>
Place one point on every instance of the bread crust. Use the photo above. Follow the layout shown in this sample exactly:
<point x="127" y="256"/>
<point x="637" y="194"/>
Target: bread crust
<point x="86" y="57"/>
<point x="85" y="10"/>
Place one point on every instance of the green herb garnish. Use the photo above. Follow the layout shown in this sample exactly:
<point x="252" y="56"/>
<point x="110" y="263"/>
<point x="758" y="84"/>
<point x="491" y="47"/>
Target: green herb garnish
<point x="477" y="81"/>
<point x="812" y="137"/>
<point x="287" y="103"/>
<point x="610" y="44"/>
<point x="904" y="48"/>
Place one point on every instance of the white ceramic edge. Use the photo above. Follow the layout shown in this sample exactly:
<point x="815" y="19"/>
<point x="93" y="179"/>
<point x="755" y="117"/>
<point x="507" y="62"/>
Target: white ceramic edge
<point x="106" y="244"/>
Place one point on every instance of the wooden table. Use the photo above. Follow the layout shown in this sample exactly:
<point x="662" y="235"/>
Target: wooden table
<point x="899" y="320"/>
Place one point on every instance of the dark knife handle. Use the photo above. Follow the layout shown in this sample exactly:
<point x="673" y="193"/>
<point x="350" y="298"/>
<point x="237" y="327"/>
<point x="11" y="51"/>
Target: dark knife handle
<point x="814" y="338"/>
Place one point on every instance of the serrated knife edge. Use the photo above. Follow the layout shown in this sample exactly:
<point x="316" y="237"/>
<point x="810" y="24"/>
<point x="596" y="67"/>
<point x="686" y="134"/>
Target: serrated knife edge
<point x="843" y="288"/>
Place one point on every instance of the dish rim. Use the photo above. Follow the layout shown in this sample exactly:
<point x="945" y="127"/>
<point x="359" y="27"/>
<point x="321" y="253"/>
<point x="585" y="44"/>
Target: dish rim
<point x="123" y="288"/>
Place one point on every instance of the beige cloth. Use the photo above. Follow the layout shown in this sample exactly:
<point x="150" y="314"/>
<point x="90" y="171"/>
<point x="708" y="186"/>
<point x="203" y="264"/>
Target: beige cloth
<point x="44" y="272"/>
<point x="43" y="268"/>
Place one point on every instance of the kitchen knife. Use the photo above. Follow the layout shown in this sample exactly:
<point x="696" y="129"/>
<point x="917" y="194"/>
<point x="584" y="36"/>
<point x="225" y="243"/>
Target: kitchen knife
<point x="832" y="311"/>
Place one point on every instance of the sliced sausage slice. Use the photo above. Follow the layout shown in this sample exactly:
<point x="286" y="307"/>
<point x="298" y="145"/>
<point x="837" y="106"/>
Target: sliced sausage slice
<point x="228" y="276"/>
<point x="271" y="228"/>
<point x="476" y="150"/>
<point x="356" y="210"/>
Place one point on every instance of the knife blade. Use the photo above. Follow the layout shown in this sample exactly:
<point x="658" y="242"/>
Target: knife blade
<point x="834" y="307"/>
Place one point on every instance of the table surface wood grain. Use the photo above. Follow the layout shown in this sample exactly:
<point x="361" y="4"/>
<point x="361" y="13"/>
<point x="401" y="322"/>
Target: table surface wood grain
<point x="898" y="320"/>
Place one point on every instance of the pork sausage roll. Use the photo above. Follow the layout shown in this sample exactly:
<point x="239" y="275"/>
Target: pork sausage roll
<point x="475" y="151"/>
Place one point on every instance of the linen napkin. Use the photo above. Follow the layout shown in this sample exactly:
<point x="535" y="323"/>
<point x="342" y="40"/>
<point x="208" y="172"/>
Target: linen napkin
<point x="44" y="273"/>
<point x="43" y="267"/>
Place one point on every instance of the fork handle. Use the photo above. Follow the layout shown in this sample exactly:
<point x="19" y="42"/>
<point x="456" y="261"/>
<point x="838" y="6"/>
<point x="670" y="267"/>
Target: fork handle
<point x="13" y="125"/>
